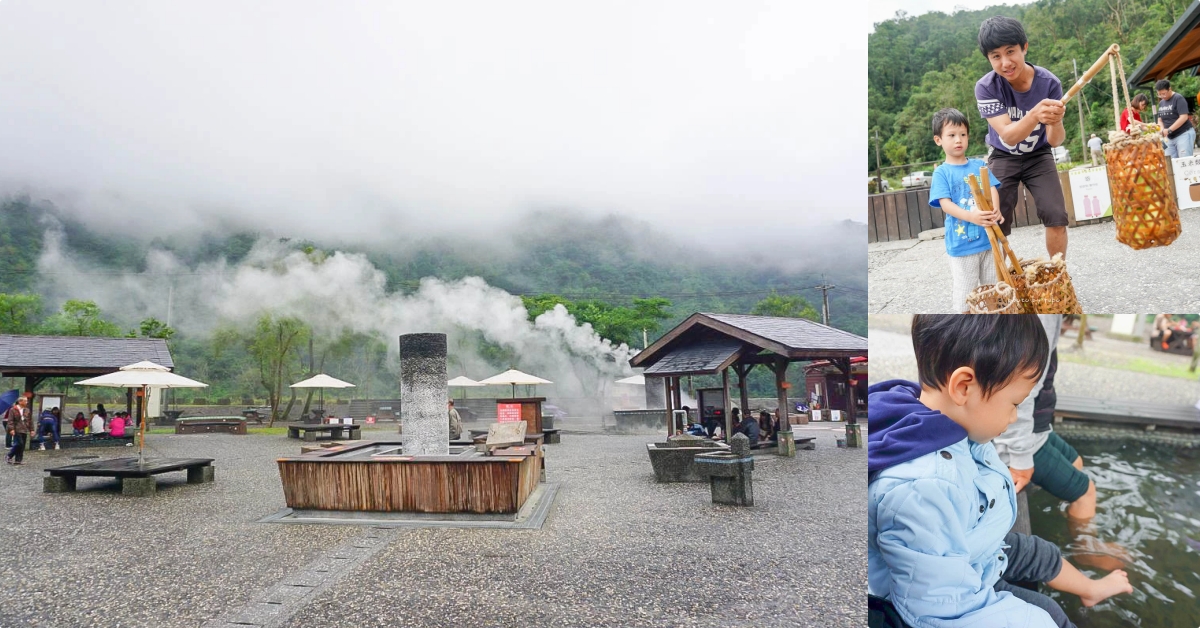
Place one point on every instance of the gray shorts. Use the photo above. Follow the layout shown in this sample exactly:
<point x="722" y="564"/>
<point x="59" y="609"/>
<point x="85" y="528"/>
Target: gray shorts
<point x="1032" y="559"/>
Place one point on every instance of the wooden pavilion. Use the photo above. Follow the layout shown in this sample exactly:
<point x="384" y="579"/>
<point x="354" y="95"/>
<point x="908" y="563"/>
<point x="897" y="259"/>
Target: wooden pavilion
<point x="708" y="344"/>
<point x="37" y="358"/>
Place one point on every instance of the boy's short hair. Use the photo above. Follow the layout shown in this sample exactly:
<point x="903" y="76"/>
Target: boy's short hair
<point x="999" y="31"/>
<point x="1162" y="84"/>
<point x="999" y="347"/>
<point x="949" y="115"/>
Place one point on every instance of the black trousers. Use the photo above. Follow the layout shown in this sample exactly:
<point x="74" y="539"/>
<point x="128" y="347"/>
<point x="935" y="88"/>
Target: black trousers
<point x="17" y="452"/>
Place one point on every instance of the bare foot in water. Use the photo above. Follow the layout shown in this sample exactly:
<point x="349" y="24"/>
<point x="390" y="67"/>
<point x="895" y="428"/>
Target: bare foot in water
<point x="1091" y="551"/>
<point x="1106" y="587"/>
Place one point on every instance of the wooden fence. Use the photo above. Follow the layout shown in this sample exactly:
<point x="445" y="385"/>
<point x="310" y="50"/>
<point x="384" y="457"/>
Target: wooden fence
<point x="902" y="215"/>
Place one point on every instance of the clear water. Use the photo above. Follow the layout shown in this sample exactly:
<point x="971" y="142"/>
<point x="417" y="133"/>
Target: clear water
<point x="1148" y="502"/>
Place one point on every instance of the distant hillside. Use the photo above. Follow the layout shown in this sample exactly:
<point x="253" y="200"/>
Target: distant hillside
<point x="610" y="259"/>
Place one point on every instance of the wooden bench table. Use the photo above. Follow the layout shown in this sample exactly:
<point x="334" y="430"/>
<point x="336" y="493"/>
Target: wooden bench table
<point x="308" y="431"/>
<point x="1141" y="414"/>
<point x="136" y="479"/>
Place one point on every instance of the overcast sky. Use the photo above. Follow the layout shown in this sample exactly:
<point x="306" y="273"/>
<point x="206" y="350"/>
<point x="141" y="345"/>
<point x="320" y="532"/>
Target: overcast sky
<point x="881" y="10"/>
<point x="367" y="117"/>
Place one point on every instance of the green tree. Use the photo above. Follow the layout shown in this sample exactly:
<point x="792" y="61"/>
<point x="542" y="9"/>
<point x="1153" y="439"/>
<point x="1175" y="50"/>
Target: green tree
<point x="81" y="318"/>
<point x="786" y="306"/>
<point x="275" y="346"/>
<point x="19" y="313"/>
<point x="154" y="328"/>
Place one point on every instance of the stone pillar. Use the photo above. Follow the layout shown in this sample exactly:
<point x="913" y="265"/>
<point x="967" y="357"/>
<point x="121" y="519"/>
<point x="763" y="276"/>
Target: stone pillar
<point x="423" y="395"/>
<point x="654" y="393"/>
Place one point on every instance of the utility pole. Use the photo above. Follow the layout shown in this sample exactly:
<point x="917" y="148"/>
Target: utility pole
<point x="1082" y="138"/>
<point x="825" y="288"/>
<point x="878" y="166"/>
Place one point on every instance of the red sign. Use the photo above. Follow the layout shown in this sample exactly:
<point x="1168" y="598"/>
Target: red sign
<point x="506" y="412"/>
<point x="370" y="420"/>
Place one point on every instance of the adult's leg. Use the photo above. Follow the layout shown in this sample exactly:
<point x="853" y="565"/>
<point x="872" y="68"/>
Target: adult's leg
<point x="1008" y="171"/>
<point x="1185" y="143"/>
<point x="1169" y="148"/>
<point x="1054" y="470"/>
<point x="19" y="447"/>
<point x="1040" y="176"/>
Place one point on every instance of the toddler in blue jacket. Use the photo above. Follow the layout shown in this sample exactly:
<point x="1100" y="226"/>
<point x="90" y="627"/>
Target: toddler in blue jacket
<point x="940" y="502"/>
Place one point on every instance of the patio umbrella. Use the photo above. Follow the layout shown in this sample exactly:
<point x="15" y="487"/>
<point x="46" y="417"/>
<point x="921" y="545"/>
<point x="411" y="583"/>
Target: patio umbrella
<point x="515" y="378"/>
<point x="635" y="380"/>
<point x="144" y="375"/>
<point x="463" y="381"/>
<point x="322" y="381"/>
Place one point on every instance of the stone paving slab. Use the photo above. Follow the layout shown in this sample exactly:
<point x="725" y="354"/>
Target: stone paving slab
<point x="616" y="550"/>
<point x="1108" y="276"/>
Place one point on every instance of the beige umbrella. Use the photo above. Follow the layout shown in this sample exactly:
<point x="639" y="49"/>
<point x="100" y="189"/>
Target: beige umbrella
<point x="144" y="375"/>
<point x="322" y="381"/>
<point x="464" y="382"/>
<point x="635" y="380"/>
<point x="515" y="378"/>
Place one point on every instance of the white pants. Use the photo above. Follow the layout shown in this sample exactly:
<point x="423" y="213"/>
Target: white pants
<point x="970" y="272"/>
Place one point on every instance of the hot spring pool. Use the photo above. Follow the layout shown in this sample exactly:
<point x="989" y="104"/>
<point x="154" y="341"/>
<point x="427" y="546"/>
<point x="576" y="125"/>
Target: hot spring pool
<point x="1148" y="501"/>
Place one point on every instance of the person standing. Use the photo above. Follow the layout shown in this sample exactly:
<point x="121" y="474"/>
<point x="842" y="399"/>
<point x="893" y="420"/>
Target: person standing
<point x="20" y="424"/>
<point x="1173" y="116"/>
<point x="1097" y="145"/>
<point x="1022" y="104"/>
<point x="455" y="421"/>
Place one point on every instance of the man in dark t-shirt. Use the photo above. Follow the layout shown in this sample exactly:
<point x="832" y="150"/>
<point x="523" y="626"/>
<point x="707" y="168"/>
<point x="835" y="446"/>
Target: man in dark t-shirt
<point x="1173" y="116"/>
<point x="1022" y="104"/>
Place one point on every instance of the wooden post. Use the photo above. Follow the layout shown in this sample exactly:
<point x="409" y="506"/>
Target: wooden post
<point x="787" y="446"/>
<point x="678" y="394"/>
<point x="743" y="393"/>
<point x="667" y="399"/>
<point x="728" y="403"/>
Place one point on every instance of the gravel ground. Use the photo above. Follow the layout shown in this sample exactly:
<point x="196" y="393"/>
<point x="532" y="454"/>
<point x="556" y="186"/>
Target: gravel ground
<point x="892" y="357"/>
<point x="617" y="548"/>
<point x="1108" y="276"/>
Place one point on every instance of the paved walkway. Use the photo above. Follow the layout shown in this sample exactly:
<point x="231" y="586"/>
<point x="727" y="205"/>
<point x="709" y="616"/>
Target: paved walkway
<point x="892" y="357"/>
<point x="914" y="277"/>
<point x="616" y="550"/>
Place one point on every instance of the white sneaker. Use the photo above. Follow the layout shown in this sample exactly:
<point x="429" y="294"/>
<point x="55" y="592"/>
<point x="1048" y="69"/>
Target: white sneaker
<point x="42" y="447"/>
<point x="57" y="446"/>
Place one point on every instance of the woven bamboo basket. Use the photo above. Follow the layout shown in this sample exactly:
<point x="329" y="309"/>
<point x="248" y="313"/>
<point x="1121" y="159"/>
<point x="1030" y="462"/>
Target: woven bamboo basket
<point x="1049" y="286"/>
<point x="1021" y="285"/>
<point x="999" y="298"/>
<point x="1143" y="196"/>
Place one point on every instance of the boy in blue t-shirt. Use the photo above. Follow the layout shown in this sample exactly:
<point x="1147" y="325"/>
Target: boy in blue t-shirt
<point x="967" y="243"/>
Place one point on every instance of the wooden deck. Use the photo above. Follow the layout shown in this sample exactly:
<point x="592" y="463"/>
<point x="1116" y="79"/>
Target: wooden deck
<point x="1136" y="413"/>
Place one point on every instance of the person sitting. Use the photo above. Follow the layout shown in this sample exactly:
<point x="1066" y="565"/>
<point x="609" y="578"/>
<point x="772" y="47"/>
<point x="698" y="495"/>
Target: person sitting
<point x="80" y="424"/>
<point x="1162" y="325"/>
<point x="765" y="427"/>
<point x="749" y="427"/>
<point x="695" y="429"/>
<point x="97" y="425"/>
<point x="117" y="429"/>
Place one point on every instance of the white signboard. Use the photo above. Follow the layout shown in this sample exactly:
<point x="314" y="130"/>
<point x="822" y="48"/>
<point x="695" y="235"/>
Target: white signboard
<point x="1089" y="192"/>
<point x="1187" y="181"/>
<point x="1123" y="323"/>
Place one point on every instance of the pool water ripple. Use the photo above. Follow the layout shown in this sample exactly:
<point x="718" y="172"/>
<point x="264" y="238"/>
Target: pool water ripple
<point x="1148" y="504"/>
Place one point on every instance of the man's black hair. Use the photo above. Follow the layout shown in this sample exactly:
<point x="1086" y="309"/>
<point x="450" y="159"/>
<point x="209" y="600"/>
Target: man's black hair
<point x="949" y="115"/>
<point x="1162" y="84"/>
<point x="999" y="31"/>
<point x="999" y="347"/>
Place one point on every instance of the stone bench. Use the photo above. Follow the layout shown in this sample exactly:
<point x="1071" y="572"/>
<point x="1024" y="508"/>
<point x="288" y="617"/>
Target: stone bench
<point x="551" y="435"/>
<point x="309" y="431"/>
<point x="70" y="441"/>
<point x="136" y="478"/>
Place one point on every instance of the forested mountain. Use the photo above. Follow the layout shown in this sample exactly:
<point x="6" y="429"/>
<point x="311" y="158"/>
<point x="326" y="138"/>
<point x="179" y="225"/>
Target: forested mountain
<point x="617" y="275"/>
<point x="917" y="65"/>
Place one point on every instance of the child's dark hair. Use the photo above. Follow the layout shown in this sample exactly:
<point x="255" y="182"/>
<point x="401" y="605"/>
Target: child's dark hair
<point x="1162" y="84"/>
<point x="1139" y="99"/>
<point x="999" y="31"/>
<point x="949" y="115"/>
<point x="999" y="347"/>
